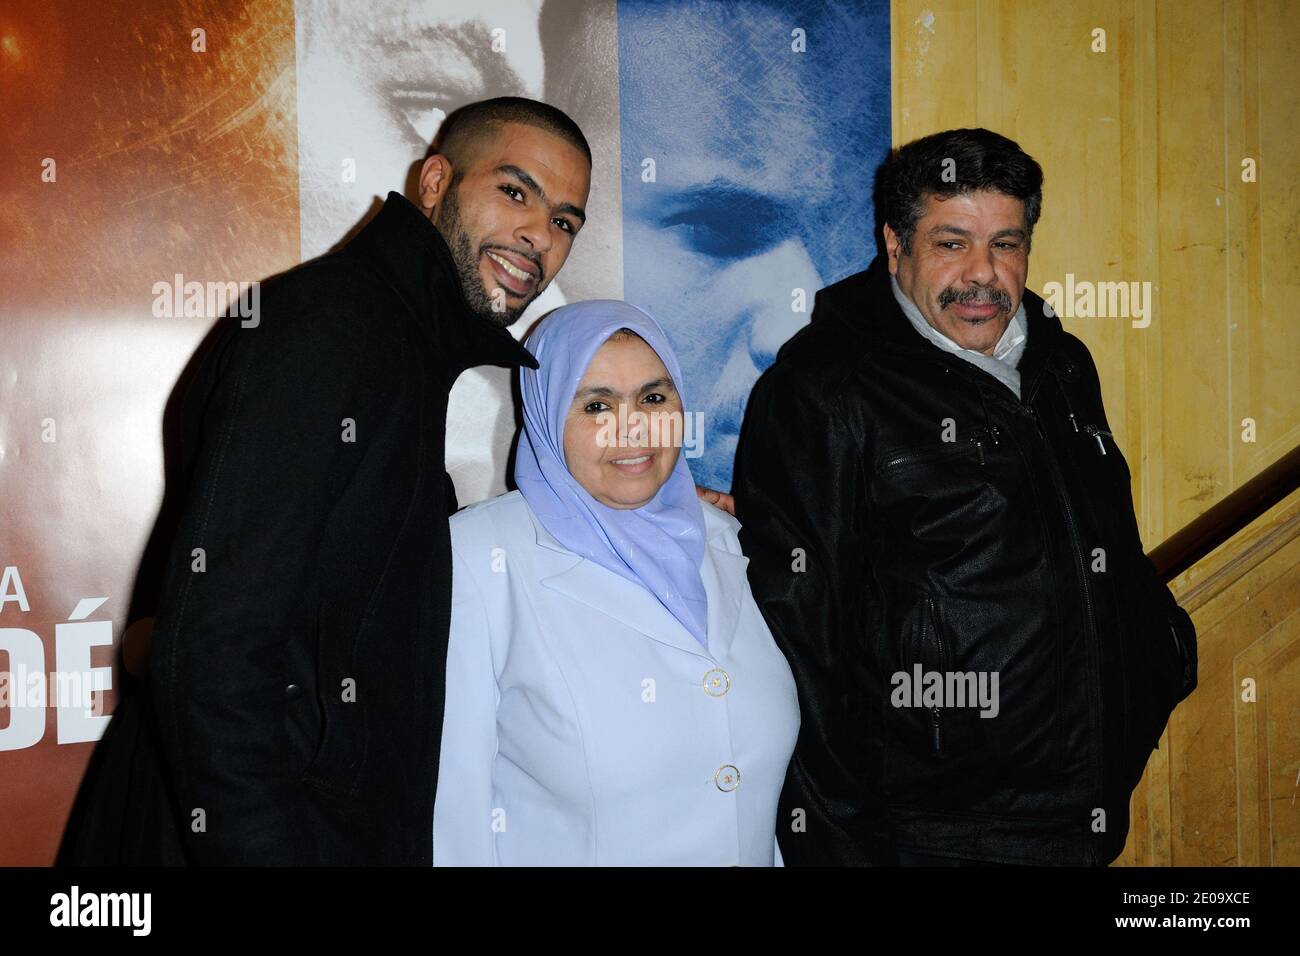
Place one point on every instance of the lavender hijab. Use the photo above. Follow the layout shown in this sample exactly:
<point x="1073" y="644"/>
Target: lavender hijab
<point x="660" y="545"/>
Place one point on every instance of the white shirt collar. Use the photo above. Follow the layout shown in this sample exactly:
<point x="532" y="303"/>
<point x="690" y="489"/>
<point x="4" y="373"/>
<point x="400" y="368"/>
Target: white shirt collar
<point x="1002" y="364"/>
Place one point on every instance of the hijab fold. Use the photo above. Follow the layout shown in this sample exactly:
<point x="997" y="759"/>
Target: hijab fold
<point x="660" y="545"/>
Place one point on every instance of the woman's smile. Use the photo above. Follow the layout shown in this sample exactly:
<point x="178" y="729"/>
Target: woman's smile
<point x="638" y="465"/>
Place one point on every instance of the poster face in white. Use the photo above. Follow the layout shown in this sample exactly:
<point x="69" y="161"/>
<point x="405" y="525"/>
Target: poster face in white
<point x="375" y="81"/>
<point x="733" y="146"/>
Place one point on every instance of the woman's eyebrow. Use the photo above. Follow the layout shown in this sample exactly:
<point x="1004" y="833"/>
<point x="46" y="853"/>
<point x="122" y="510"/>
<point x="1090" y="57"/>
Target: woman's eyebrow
<point x="594" y="390"/>
<point x="604" y="391"/>
<point x="657" y="383"/>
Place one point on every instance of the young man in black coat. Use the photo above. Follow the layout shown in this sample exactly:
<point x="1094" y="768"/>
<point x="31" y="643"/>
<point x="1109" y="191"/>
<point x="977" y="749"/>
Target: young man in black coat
<point x="941" y="536"/>
<point x="298" y="656"/>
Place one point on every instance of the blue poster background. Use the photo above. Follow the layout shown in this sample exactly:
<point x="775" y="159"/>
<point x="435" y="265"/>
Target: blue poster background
<point x="750" y="134"/>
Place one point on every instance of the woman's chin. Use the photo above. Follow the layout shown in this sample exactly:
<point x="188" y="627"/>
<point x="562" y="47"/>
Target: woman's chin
<point x="629" y="494"/>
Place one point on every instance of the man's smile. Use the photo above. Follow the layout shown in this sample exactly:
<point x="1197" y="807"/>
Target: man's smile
<point x="516" y="274"/>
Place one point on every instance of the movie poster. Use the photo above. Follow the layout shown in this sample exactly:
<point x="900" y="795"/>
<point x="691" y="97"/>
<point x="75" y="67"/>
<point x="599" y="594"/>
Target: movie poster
<point x="161" y="158"/>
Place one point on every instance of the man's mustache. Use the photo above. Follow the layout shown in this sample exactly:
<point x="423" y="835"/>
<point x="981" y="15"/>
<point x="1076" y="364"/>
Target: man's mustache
<point x="979" y="295"/>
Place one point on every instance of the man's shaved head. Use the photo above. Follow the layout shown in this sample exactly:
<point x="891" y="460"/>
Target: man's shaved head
<point x="465" y="132"/>
<point x="505" y="187"/>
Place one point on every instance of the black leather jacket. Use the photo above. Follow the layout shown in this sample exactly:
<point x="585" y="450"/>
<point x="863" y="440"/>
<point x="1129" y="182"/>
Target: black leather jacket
<point x="1011" y="548"/>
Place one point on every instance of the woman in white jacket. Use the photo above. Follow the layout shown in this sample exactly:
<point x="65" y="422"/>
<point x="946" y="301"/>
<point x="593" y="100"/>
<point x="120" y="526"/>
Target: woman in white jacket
<point x="614" y="696"/>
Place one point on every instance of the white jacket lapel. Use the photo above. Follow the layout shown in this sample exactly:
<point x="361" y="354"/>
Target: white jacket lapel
<point x="723" y="573"/>
<point x="724" y="580"/>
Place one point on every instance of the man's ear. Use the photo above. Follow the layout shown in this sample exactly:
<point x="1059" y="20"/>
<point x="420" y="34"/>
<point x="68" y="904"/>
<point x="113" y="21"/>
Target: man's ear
<point x="435" y="180"/>
<point x="892" y="246"/>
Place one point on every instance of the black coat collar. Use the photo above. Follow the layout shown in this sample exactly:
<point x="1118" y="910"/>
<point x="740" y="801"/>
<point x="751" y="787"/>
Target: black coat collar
<point x="405" y="248"/>
<point x="886" y="325"/>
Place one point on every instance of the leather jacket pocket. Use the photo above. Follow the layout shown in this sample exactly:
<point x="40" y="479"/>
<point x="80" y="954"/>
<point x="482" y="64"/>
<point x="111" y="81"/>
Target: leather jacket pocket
<point x="925" y="648"/>
<point x="975" y="446"/>
<point x="932" y="660"/>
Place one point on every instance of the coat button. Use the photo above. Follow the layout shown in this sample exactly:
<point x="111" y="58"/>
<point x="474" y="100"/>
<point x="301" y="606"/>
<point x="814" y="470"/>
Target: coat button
<point x="717" y="682"/>
<point x="292" y="691"/>
<point x="727" y="778"/>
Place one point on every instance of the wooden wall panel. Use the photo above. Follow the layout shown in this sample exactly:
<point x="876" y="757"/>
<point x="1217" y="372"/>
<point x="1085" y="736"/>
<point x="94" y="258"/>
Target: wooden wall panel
<point x="1272" y="368"/>
<point x="1235" y="756"/>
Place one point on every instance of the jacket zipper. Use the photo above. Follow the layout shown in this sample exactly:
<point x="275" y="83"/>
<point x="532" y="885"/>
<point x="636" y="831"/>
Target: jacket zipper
<point x="991" y="433"/>
<point x="1096" y="433"/>
<point x="977" y="439"/>
<point x="931" y="455"/>
<point x="936" y="720"/>
<point x="1081" y="565"/>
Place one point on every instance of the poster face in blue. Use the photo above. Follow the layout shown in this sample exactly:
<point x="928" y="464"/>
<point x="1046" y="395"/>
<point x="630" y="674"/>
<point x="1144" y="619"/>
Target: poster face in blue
<point x="750" y="133"/>
<point x="734" y="147"/>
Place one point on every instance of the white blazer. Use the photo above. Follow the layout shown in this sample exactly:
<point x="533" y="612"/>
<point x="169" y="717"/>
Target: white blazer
<point x="584" y="725"/>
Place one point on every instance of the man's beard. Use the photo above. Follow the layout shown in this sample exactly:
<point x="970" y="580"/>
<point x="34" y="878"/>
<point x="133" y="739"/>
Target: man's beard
<point x="495" y="310"/>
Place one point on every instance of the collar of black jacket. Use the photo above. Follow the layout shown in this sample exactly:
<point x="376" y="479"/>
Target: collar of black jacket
<point x="887" y="327"/>
<point x="405" y="248"/>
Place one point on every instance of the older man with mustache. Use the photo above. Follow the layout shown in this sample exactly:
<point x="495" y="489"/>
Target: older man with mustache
<point x="942" y="539"/>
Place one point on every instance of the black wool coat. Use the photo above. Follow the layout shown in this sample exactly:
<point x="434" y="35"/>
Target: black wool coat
<point x="297" y="667"/>
<point x="903" y="509"/>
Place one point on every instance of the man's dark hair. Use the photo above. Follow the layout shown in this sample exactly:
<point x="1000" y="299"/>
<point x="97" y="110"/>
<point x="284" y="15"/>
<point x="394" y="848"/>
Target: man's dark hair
<point x="464" y="131"/>
<point x="953" y="163"/>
